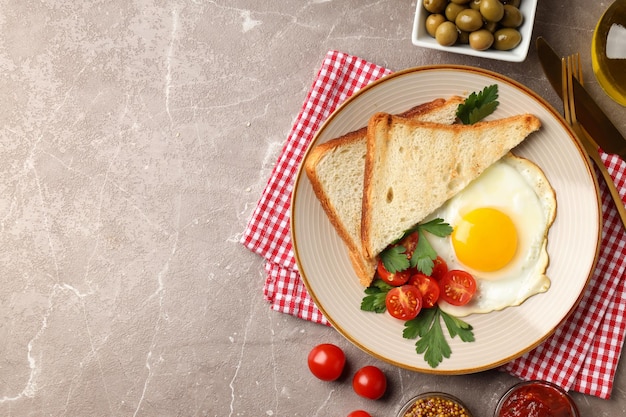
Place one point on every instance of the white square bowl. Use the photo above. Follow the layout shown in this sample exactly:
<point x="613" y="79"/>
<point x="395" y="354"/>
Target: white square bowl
<point x="518" y="54"/>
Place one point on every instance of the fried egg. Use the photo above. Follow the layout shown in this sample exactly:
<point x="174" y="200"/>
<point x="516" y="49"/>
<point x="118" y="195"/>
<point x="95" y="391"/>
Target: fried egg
<point x="500" y="225"/>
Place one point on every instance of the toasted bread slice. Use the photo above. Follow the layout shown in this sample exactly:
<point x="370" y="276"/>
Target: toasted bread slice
<point x="413" y="167"/>
<point x="336" y="171"/>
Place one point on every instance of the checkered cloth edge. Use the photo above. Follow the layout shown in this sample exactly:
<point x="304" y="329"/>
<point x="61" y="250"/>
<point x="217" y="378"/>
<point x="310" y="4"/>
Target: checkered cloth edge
<point x="589" y="343"/>
<point x="581" y="355"/>
<point x="268" y="233"/>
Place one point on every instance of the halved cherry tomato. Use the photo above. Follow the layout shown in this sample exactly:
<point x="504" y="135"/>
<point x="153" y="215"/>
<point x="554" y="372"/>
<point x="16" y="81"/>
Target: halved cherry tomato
<point x="326" y="361"/>
<point x="440" y="267"/>
<point x="428" y="288"/>
<point x="457" y="287"/>
<point x="369" y="382"/>
<point x="410" y="243"/>
<point x="404" y="302"/>
<point x="396" y="279"/>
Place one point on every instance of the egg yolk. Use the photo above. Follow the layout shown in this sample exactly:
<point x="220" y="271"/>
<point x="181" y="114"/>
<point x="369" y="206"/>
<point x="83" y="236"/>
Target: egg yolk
<point x="485" y="239"/>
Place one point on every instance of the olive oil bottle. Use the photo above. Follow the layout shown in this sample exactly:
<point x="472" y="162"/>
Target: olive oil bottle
<point x="608" y="51"/>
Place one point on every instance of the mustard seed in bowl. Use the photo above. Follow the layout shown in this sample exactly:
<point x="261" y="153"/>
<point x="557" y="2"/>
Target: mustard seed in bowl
<point x="434" y="404"/>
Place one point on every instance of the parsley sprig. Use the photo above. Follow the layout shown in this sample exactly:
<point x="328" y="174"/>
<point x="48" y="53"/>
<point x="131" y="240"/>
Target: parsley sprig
<point x="375" y="294"/>
<point x="432" y="342"/>
<point x="396" y="259"/>
<point x="426" y="327"/>
<point x="479" y="105"/>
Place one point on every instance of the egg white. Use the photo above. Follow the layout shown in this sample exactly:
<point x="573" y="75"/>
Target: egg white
<point x="520" y="189"/>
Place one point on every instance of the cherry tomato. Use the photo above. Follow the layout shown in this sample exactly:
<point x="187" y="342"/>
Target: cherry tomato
<point x="395" y="279"/>
<point x="404" y="302"/>
<point x="369" y="382"/>
<point x="429" y="288"/>
<point x="440" y="268"/>
<point x="359" y="413"/>
<point x="457" y="287"/>
<point x="326" y="361"/>
<point x="410" y="243"/>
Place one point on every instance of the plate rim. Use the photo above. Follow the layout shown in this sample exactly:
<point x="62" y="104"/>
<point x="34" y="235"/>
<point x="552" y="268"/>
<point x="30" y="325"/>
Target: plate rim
<point x="467" y="69"/>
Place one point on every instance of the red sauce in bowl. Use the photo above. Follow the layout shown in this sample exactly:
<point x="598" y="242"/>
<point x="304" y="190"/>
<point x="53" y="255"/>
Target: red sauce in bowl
<point x="536" y="399"/>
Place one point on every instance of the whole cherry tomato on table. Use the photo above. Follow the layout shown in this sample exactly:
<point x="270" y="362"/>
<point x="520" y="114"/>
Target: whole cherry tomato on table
<point x="359" y="413"/>
<point x="369" y="382"/>
<point x="326" y="361"/>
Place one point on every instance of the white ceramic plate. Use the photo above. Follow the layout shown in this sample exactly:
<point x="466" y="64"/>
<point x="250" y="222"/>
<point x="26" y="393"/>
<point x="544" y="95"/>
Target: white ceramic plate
<point x="420" y="37"/>
<point x="573" y="240"/>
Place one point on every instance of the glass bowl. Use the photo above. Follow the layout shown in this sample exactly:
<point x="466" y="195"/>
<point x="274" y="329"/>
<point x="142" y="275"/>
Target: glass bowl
<point x="538" y="396"/>
<point x="450" y="405"/>
<point x="608" y="51"/>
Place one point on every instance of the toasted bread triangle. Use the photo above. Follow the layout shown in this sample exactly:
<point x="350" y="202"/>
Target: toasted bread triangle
<point x="413" y="167"/>
<point x="336" y="171"/>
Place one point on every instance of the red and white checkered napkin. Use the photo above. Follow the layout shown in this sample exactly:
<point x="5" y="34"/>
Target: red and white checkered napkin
<point x="584" y="351"/>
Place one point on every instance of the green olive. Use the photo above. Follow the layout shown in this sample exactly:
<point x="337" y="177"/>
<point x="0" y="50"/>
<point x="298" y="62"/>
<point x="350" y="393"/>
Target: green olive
<point x="475" y="4"/>
<point x="469" y="20"/>
<point x="506" y="39"/>
<point x="492" y="10"/>
<point x="512" y="18"/>
<point x="482" y="24"/>
<point x="463" y="37"/>
<point x="435" y="6"/>
<point x="452" y="10"/>
<point x="432" y="23"/>
<point x="514" y="3"/>
<point x="491" y="26"/>
<point x="481" y="39"/>
<point x="446" y="34"/>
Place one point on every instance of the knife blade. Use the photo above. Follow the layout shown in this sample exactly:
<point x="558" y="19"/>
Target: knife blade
<point x="589" y="114"/>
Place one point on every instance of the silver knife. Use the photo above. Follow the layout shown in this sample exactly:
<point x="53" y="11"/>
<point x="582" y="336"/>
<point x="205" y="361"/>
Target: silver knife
<point x="589" y="114"/>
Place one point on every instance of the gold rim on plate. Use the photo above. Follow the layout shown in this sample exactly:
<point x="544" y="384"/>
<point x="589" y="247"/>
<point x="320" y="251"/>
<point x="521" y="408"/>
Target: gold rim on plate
<point x="573" y="240"/>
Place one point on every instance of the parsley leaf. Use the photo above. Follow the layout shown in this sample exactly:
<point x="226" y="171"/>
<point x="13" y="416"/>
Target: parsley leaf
<point x="432" y="342"/>
<point x="395" y="259"/>
<point x="375" y="297"/>
<point x="424" y="254"/>
<point x="478" y="106"/>
<point x="458" y="327"/>
<point x="419" y="326"/>
<point x="436" y="227"/>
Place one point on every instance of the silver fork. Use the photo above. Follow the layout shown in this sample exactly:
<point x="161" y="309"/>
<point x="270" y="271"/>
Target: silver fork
<point x="571" y="68"/>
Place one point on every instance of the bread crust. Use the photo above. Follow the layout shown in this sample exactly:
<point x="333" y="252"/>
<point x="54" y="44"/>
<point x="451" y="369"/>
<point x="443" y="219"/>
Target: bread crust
<point x="363" y="266"/>
<point x="456" y="154"/>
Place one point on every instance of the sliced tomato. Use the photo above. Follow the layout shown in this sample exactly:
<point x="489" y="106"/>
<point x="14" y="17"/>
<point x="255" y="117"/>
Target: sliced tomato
<point x="404" y="302"/>
<point x="440" y="267"/>
<point x="396" y="278"/>
<point x="457" y="287"/>
<point x="410" y="243"/>
<point x="428" y="288"/>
